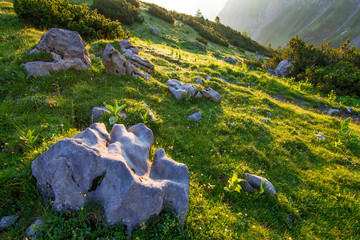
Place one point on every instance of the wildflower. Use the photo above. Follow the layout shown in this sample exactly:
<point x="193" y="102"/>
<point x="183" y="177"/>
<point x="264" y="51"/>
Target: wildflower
<point x="82" y="208"/>
<point x="85" y="195"/>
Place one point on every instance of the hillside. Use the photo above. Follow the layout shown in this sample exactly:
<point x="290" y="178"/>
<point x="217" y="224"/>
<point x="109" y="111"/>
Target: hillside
<point x="276" y="21"/>
<point x="264" y="125"/>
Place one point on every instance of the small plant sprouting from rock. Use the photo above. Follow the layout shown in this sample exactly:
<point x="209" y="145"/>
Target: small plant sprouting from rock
<point x="234" y="183"/>
<point x="114" y="111"/>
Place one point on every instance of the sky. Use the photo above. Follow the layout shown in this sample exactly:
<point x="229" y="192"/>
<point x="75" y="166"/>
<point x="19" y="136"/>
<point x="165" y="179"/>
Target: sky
<point x="209" y="8"/>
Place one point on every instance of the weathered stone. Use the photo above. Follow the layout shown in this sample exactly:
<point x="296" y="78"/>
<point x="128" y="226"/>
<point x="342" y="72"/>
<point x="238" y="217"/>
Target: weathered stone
<point x="98" y="112"/>
<point x="229" y="60"/>
<point x="200" y="45"/>
<point x="125" y="45"/>
<point x="114" y="62"/>
<point x="113" y="170"/>
<point x="34" y="229"/>
<point x="216" y="54"/>
<point x="322" y="137"/>
<point x="199" y="95"/>
<point x="208" y="78"/>
<point x="180" y="90"/>
<point x="8" y="221"/>
<point x="196" y="116"/>
<point x="67" y="49"/>
<point x="151" y="114"/>
<point x="140" y="62"/>
<point x="211" y="94"/>
<point x="254" y="182"/>
<point x="154" y="31"/>
<point x="265" y="120"/>
<point x="283" y="69"/>
<point x="271" y="72"/>
<point x="349" y="109"/>
<point x="199" y="81"/>
<point x="333" y="111"/>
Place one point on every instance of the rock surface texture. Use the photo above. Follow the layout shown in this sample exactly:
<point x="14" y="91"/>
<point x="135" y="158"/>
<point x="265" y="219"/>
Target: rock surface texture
<point x="211" y="94"/>
<point x="133" y="56"/>
<point x="34" y="229"/>
<point x="283" y="69"/>
<point x="67" y="49"/>
<point x="254" y="182"/>
<point x="98" y="112"/>
<point x="114" y="170"/>
<point x="117" y="64"/>
<point x="181" y="90"/>
<point x="196" y="116"/>
<point x="8" y="221"/>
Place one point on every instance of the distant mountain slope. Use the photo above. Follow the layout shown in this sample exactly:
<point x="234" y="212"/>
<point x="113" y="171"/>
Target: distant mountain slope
<point x="276" y="21"/>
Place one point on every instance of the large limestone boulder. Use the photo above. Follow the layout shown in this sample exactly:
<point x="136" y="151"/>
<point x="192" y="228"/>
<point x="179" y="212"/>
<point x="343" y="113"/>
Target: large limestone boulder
<point x="180" y="90"/>
<point x="66" y="47"/>
<point x="113" y="170"/>
<point x="117" y="64"/>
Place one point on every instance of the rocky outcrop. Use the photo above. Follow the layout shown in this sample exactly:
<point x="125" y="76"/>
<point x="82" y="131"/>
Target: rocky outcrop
<point x="117" y="64"/>
<point x="114" y="170"/>
<point x="254" y="182"/>
<point x="67" y="49"/>
<point x="132" y="53"/>
<point x="211" y="94"/>
<point x="181" y="90"/>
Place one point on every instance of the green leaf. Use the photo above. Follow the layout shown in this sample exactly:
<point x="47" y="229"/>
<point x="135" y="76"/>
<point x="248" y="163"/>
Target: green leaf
<point x="262" y="187"/>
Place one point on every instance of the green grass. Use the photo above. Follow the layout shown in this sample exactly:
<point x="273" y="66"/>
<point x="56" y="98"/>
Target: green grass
<point x="317" y="182"/>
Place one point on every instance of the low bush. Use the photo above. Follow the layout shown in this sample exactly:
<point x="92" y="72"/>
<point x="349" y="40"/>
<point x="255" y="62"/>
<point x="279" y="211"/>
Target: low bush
<point x="160" y="13"/>
<point x="126" y="11"/>
<point x="62" y="14"/>
<point x="201" y="40"/>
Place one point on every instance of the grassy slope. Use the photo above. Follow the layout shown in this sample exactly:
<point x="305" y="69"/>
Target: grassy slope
<point x="315" y="180"/>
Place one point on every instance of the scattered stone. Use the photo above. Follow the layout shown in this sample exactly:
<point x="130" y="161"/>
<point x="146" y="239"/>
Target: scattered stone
<point x="349" y="109"/>
<point x="125" y="46"/>
<point x="117" y="64"/>
<point x="254" y="182"/>
<point x="283" y="69"/>
<point x="332" y="111"/>
<point x="230" y="60"/>
<point x="216" y="54"/>
<point x="271" y="72"/>
<point x="199" y="81"/>
<point x="200" y="45"/>
<point x="265" y="120"/>
<point x="33" y="230"/>
<point x="211" y="94"/>
<point x="66" y="47"/>
<point x="270" y="114"/>
<point x="196" y="116"/>
<point x="258" y="57"/>
<point x="8" y="221"/>
<point x="322" y="137"/>
<point x="154" y="31"/>
<point x="151" y="114"/>
<point x="181" y="90"/>
<point x="254" y="110"/>
<point x="98" y="112"/>
<point x="114" y="170"/>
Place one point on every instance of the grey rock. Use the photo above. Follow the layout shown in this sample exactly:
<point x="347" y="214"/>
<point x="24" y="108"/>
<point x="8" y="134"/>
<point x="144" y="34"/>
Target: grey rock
<point x="332" y="111"/>
<point x="326" y="106"/>
<point x="154" y="31"/>
<point x="200" y="45"/>
<point x="265" y="120"/>
<point x="349" y="109"/>
<point x="211" y="94"/>
<point x="322" y="137"/>
<point x="271" y="72"/>
<point x="151" y="114"/>
<point x="290" y="219"/>
<point x="67" y="49"/>
<point x="230" y="60"/>
<point x="196" y="116"/>
<point x="114" y="170"/>
<point x="8" y="221"/>
<point x="33" y="230"/>
<point x="34" y="51"/>
<point x="125" y="45"/>
<point x="199" y="81"/>
<point x="283" y="69"/>
<point x="254" y="182"/>
<point x="258" y="57"/>
<point x="98" y="112"/>
<point x="198" y="95"/>
<point x="209" y="78"/>
<point x="180" y="90"/>
<point x="216" y="54"/>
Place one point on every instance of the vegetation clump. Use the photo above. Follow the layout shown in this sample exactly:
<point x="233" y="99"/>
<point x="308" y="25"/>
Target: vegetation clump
<point x="160" y="12"/>
<point x="126" y="11"/>
<point x="62" y="14"/>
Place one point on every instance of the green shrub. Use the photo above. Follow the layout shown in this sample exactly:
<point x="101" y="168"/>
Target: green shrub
<point x="62" y="14"/>
<point x="201" y="40"/>
<point x="161" y="13"/>
<point x="126" y="11"/>
<point x="253" y="63"/>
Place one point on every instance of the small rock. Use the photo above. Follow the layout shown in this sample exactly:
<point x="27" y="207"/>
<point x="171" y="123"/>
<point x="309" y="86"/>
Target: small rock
<point x="290" y="219"/>
<point x="32" y="230"/>
<point x="254" y="110"/>
<point x="197" y="44"/>
<point x="283" y="69"/>
<point x="199" y="81"/>
<point x="350" y="109"/>
<point x="271" y="72"/>
<point x="332" y="111"/>
<point x="270" y="114"/>
<point x="265" y="120"/>
<point x="254" y="182"/>
<point x="208" y="78"/>
<point x="211" y="94"/>
<point x="196" y="116"/>
<point x="8" y="221"/>
<point x="198" y="95"/>
<point x="151" y="114"/>
<point x="98" y="112"/>
<point x="229" y="60"/>
<point x="154" y="31"/>
<point x="216" y="54"/>
<point x="180" y="90"/>
<point x="322" y="137"/>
